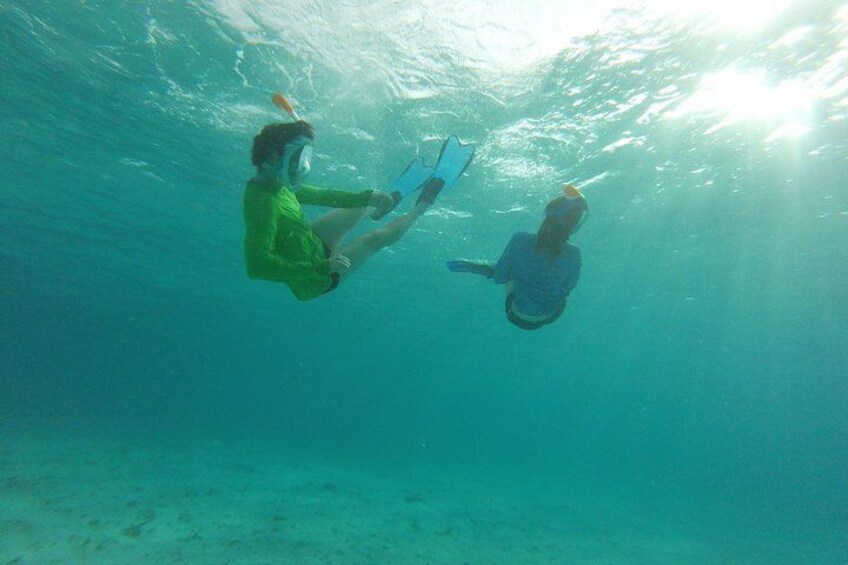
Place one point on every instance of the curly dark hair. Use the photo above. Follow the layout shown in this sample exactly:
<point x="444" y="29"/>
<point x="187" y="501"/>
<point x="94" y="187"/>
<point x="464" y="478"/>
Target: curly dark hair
<point x="274" y="137"/>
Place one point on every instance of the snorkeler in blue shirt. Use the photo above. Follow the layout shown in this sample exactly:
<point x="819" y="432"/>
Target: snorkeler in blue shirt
<point x="539" y="270"/>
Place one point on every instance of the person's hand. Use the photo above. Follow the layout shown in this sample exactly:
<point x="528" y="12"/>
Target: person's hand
<point x="383" y="203"/>
<point x="339" y="264"/>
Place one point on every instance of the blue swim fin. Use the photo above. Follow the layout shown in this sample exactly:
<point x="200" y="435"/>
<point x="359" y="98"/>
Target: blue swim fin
<point x="454" y="158"/>
<point x="413" y="177"/>
<point x="482" y="269"/>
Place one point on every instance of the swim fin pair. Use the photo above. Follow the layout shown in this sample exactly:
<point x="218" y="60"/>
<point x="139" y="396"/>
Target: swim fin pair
<point x="454" y="158"/>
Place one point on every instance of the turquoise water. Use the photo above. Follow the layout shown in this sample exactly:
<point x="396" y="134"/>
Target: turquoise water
<point x="698" y="375"/>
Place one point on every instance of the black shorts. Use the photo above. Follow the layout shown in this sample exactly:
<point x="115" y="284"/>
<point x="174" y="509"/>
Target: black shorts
<point x="527" y="324"/>
<point x="334" y="277"/>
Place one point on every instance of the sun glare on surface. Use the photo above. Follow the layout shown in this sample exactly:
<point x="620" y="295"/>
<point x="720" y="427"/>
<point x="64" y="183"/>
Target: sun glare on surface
<point x="732" y="14"/>
<point x="515" y="34"/>
<point x="737" y="95"/>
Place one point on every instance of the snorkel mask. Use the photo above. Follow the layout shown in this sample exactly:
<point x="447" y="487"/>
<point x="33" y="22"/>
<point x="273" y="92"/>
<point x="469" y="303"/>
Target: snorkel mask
<point x="297" y="154"/>
<point x="563" y="207"/>
<point x="297" y="160"/>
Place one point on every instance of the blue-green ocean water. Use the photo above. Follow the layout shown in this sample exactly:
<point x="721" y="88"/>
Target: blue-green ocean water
<point x="703" y="356"/>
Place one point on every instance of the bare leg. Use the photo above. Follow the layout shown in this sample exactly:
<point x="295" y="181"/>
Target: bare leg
<point x="334" y="225"/>
<point x="363" y="247"/>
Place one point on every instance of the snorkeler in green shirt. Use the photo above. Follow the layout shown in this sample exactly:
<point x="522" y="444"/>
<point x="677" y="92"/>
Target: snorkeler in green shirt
<point x="280" y="244"/>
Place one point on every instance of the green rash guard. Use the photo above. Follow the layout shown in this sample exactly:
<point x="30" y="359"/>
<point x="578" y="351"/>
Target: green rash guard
<point x="279" y="243"/>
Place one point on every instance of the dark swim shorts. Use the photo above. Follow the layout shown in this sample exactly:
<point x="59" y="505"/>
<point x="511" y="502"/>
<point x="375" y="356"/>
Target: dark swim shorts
<point x="527" y="324"/>
<point x="334" y="277"/>
<point x="333" y="285"/>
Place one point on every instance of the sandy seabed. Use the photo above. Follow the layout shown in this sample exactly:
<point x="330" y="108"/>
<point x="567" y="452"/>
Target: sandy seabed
<point x="85" y="500"/>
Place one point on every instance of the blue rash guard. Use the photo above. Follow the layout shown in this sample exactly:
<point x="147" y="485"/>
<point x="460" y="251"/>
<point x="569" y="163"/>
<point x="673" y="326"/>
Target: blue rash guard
<point x="540" y="284"/>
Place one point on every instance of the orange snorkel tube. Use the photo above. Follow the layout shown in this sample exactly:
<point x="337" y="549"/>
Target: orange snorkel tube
<point x="283" y="103"/>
